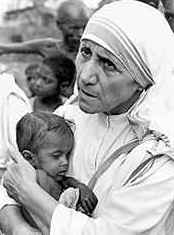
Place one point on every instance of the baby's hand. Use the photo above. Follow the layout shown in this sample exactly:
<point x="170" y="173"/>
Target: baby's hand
<point x="70" y="197"/>
<point x="87" y="200"/>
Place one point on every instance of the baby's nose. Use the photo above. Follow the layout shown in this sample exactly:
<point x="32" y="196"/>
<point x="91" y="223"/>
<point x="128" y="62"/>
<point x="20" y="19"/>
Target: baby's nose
<point x="64" y="160"/>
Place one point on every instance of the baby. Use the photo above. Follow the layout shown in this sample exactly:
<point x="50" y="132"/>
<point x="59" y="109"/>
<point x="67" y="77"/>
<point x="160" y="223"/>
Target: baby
<point x="46" y="141"/>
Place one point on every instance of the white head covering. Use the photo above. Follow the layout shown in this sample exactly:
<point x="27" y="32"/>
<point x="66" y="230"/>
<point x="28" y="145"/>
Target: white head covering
<point x="146" y="48"/>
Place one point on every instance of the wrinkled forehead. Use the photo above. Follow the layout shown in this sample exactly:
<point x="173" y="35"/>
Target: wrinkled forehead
<point x="110" y="29"/>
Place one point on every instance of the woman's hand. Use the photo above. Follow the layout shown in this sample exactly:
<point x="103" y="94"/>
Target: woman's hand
<point x="18" y="176"/>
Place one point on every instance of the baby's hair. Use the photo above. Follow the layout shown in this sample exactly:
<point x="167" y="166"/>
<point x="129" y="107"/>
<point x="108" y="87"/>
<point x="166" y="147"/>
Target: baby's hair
<point x="62" y="67"/>
<point x="32" y="128"/>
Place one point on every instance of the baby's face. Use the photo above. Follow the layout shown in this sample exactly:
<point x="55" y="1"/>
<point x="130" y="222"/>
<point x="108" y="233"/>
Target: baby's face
<point x="53" y="155"/>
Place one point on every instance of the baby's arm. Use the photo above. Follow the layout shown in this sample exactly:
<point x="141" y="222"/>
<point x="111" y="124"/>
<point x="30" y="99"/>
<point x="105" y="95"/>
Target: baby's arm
<point x="87" y="199"/>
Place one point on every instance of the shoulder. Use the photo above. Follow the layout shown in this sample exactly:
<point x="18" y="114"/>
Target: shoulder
<point x="149" y="161"/>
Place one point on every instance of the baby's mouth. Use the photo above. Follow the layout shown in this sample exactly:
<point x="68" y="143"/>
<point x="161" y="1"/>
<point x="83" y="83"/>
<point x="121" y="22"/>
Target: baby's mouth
<point x="63" y="172"/>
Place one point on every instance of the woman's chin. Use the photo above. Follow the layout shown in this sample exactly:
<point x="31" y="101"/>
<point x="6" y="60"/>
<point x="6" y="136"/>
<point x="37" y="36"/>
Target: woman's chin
<point x="87" y="107"/>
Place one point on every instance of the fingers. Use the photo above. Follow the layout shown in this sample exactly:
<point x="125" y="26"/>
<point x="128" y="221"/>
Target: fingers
<point x="89" y="204"/>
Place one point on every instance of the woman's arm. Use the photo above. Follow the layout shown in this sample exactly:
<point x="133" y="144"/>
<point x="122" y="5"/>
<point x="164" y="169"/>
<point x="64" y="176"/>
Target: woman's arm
<point x="21" y="185"/>
<point x="141" y="207"/>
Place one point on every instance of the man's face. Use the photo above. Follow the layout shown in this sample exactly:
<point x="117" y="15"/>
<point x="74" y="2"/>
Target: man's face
<point x="104" y="85"/>
<point x="53" y="155"/>
<point x="72" y="26"/>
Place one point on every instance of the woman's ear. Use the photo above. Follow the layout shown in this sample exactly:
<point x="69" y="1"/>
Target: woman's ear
<point x="30" y="157"/>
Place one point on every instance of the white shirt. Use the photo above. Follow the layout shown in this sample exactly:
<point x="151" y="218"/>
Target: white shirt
<point x="140" y="207"/>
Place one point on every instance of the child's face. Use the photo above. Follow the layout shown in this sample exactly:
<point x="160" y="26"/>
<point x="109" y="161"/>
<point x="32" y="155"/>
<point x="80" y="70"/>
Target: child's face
<point x="53" y="155"/>
<point x="44" y="83"/>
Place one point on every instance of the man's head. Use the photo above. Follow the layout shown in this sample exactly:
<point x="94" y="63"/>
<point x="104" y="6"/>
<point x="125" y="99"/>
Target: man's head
<point x="72" y="17"/>
<point x="46" y="141"/>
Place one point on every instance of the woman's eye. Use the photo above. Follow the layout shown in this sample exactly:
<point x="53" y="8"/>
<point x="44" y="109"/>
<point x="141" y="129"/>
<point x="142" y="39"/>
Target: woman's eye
<point x="85" y="52"/>
<point x="108" y="65"/>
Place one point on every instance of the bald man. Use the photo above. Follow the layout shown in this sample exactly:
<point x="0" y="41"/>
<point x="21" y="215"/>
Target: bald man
<point x="72" y="16"/>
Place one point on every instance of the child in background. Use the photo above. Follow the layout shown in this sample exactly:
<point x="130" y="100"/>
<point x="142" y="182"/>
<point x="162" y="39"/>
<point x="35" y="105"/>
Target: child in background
<point x="30" y="73"/>
<point x="51" y="82"/>
<point x="46" y="141"/>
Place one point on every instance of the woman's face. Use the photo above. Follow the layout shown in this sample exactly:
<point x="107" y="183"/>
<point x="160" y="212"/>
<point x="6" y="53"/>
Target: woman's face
<point x="104" y="85"/>
<point x="44" y="83"/>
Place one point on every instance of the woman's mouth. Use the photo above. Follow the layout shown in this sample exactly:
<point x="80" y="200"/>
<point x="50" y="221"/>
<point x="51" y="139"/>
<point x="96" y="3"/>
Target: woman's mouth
<point x="88" y="93"/>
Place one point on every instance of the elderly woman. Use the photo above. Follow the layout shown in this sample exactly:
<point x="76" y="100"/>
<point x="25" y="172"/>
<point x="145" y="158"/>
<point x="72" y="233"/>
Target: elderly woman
<point x="124" y="131"/>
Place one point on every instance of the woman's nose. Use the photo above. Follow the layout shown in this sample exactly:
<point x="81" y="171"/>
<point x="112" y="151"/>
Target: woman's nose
<point x="88" y="74"/>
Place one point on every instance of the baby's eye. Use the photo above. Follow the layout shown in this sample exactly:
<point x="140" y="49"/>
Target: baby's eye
<point x="85" y="52"/>
<point x="56" y="156"/>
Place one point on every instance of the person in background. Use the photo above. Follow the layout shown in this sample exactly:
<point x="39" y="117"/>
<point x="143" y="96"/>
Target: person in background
<point x="30" y="72"/>
<point x="71" y="19"/>
<point x="124" y="136"/>
<point x="51" y="83"/>
<point x="153" y="3"/>
<point x="169" y="12"/>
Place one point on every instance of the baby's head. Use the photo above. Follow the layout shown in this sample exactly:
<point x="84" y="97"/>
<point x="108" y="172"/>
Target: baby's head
<point x="54" y="76"/>
<point x="46" y="141"/>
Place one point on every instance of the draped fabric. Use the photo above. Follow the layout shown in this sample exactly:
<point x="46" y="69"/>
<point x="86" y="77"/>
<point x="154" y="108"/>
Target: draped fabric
<point x="13" y="105"/>
<point x="141" y="39"/>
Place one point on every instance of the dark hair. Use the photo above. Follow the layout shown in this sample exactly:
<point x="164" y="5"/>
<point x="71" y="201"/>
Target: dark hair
<point x="32" y="127"/>
<point x="62" y="67"/>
